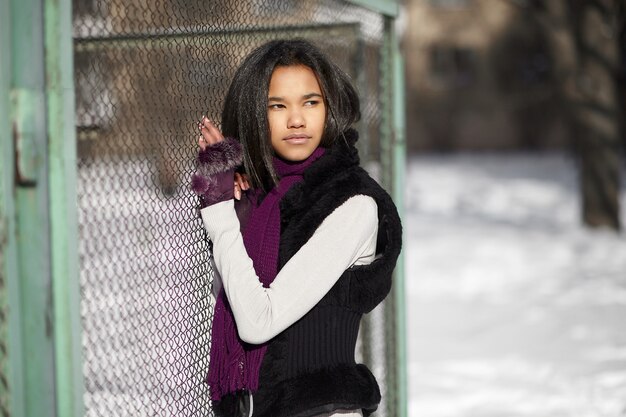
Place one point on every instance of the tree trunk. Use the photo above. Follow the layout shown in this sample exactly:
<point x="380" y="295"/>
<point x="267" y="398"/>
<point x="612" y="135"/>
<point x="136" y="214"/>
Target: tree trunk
<point x="586" y="53"/>
<point x="597" y="114"/>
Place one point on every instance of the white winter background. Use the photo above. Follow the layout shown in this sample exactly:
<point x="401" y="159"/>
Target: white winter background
<point x="514" y="308"/>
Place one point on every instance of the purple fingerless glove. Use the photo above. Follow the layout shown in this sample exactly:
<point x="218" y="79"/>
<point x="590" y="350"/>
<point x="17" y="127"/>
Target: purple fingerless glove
<point x="213" y="180"/>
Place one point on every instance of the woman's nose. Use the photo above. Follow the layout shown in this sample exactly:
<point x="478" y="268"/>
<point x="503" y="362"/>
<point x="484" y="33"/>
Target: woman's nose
<point x="295" y="120"/>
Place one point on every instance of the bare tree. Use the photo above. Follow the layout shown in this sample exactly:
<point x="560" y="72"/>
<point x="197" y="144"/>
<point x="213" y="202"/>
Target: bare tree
<point x="584" y="37"/>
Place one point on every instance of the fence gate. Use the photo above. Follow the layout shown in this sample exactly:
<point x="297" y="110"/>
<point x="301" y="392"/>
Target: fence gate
<point x="143" y="73"/>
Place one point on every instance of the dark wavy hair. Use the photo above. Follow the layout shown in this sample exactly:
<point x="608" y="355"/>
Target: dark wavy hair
<point x="244" y="116"/>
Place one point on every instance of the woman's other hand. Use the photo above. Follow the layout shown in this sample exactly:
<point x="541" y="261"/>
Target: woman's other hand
<point x="241" y="184"/>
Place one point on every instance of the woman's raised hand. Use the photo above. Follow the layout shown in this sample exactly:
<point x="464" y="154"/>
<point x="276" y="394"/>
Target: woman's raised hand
<point x="209" y="134"/>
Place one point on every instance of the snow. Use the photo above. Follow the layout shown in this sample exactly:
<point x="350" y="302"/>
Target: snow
<point x="514" y="308"/>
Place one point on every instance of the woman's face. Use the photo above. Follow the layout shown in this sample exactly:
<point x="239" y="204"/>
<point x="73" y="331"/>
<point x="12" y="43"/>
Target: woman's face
<point x="296" y="112"/>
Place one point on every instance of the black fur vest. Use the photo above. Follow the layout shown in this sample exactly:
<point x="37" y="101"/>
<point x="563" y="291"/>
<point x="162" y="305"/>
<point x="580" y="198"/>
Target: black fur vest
<point x="310" y="368"/>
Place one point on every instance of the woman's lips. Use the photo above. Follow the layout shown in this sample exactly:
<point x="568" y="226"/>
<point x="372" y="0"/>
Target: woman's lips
<point x="296" y="139"/>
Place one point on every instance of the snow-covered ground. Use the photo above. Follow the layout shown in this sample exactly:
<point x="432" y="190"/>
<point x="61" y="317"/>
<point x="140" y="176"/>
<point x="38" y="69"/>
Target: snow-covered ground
<point x="514" y="309"/>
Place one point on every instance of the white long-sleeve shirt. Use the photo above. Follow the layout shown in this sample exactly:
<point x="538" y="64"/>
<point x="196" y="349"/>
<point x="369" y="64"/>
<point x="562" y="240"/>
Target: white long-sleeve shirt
<point x="345" y="238"/>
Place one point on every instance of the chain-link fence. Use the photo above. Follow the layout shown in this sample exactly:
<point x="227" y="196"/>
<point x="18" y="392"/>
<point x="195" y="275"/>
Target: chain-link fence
<point x="144" y="74"/>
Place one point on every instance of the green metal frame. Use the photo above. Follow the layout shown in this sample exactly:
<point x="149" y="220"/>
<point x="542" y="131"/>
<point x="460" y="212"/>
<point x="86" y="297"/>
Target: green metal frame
<point x="28" y="121"/>
<point x="199" y="36"/>
<point x="393" y="159"/>
<point x="398" y="188"/>
<point x="38" y="210"/>
<point x="62" y="168"/>
<point x="11" y="392"/>
<point x="388" y="8"/>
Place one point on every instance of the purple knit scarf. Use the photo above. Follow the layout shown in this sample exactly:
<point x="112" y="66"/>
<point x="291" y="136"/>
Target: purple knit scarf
<point x="234" y="364"/>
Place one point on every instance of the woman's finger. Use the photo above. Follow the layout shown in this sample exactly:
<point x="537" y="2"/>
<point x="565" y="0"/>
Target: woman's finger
<point x="209" y="138"/>
<point x="244" y="182"/>
<point x="237" y="192"/>
<point x="211" y="134"/>
<point x="202" y="143"/>
<point x="205" y="138"/>
<point x="213" y="131"/>
<point x="238" y="181"/>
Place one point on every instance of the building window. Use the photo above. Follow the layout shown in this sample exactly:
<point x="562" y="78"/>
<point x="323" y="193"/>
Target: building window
<point x="452" y="66"/>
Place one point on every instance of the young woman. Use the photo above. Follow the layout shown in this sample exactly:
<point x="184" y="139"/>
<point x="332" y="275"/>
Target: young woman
<point x="304" y="240"/>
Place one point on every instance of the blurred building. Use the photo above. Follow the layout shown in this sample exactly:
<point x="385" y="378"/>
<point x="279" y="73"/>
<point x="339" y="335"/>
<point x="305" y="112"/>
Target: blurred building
<point x="479" y="76"/>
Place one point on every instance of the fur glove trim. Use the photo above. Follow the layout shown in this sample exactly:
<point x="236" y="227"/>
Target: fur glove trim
<point x="220" y="157"/>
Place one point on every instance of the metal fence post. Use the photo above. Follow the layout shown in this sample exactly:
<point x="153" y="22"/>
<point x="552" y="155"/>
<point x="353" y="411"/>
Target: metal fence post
<point x="398" y="189"/>
<point x="40" y="365"/>
<point x="385" y="7"/>
<point x="62" y="167"/>
<point x="393" y="174"/>
<point x="11" y="383"/>
<point x="32" y="357"/>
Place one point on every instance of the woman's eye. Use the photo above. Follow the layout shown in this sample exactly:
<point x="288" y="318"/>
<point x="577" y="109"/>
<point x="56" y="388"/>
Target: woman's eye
<point x="311" y="103"/>
<point x="275" y="106"/>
